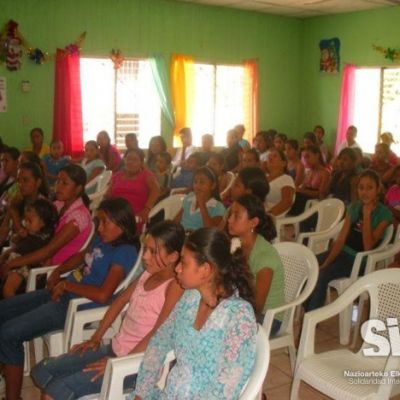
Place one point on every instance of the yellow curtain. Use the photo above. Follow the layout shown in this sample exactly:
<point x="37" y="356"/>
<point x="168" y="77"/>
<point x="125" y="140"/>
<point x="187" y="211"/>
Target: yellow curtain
<point x="250" y="100"/>
<point x="182" y="79"/>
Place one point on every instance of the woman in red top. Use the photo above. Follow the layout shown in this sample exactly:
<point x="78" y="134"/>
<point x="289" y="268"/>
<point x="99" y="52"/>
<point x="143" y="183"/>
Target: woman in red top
<point x="136" y="184"/>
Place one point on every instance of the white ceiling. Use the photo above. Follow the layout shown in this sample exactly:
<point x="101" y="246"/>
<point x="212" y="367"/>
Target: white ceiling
<point x="301" y="8"/>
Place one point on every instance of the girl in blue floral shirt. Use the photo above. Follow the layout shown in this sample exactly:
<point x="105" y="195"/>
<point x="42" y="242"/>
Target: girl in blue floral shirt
<point x="212" y="329"/>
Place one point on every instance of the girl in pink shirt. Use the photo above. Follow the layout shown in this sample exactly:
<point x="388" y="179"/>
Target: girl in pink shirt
<point x="151" y="298"/>
<point x="74" y="223"/>
<point x="108" y="153"/>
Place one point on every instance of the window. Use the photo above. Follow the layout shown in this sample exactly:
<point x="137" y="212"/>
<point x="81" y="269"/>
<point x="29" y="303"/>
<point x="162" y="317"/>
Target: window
<point x="219" y="101"/>
<point x="377" y="106"/>
<point x="119" y="101"/>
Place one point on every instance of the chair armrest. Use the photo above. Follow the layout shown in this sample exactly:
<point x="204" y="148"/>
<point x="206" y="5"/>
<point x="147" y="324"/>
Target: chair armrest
<point x="116" y="371"/>
<point x="34" y="273"/>
<point x="382" y="256"/>
<point x="323" y="235"/>
<point x="82" y="318"/>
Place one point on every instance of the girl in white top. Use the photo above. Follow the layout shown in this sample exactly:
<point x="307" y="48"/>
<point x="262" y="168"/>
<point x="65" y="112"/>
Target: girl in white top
<point x="186" y="150"/>
<point x="281" y="186"/>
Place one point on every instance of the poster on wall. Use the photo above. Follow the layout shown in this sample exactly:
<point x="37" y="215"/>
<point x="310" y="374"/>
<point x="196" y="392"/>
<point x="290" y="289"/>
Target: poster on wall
<point x="3" y="94"/>
<point x="329" y="62"/>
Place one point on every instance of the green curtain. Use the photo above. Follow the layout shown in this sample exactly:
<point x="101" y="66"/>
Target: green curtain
<point x="161" y="79"/>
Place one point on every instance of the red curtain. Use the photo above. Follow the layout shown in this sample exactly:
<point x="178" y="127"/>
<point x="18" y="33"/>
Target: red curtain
<point x="67" y="124"/>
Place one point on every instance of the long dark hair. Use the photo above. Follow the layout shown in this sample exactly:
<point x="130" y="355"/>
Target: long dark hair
<point x="255" y="209"/>
<point x="77" y="174"/>
<point x="254" y="179"/>
<point x="120" y="212"/>
<point x="37" y="173"/>
<point x="150" y="155"/>
<point x="214" y="246"/>
<point x="170" y="234"/>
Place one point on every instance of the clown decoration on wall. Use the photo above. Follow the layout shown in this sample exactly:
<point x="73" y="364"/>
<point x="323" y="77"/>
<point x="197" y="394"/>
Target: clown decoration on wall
<point x="11" y="46"/>
<point x="330" y="58"/>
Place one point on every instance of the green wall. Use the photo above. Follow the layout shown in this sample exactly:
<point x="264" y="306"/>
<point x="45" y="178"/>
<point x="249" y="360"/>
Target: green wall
<point x="319" y="95"/>
<point x="140" y="28"/>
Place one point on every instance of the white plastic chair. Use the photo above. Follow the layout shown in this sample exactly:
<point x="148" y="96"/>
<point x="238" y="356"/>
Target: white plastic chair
<point x="301" y="274"/>
<point x="100" y="182"/>
<point x="382" y="259"/>
<point x="231" y="179"/>
<point x="329" y="213"/>
<point x="171" y="206"/>
<point x="58" y="342"/>
<point x="341" y="284"/>
<point x="118" y="368"/>
<point x="326" y="371"/>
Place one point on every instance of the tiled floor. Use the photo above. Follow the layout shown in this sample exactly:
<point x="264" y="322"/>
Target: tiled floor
<point x="279" y="378"/>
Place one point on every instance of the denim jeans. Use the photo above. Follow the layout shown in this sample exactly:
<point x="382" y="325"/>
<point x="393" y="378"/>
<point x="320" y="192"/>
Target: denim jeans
<point x="62" y="378"/>
<point x="25" y="317"/>
<point x="340" y="268"/>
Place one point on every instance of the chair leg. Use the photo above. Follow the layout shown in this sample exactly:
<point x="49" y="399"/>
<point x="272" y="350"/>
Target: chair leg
<point x="27" y="359"/>
<point x="292" y="357"/>
<point x="345" y="325"/>
<point x="294" y="393"/>
<point x="38" y="346"/>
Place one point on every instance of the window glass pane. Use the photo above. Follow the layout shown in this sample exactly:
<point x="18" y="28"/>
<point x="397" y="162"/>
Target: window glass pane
<point x="137" y="104"/>
<point x="97" y="85"/>
<point x="391" y="105"/>
<point x="204" y="102"/>
<point x="229" y="108"/>
<point x="366" y="107"/>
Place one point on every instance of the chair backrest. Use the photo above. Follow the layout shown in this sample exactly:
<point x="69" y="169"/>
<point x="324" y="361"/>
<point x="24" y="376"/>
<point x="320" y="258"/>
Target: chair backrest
<point x="330" y="212"/>
<point x="254" y="385"/>
<point x="171" y="206"/>
<point x="105" y="180"/>
<point x="301" y="274"/>
<point x="231" y="179"/>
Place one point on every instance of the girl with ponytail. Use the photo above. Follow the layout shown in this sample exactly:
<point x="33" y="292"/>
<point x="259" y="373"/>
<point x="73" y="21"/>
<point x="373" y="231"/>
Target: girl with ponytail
<point x="212" y="328"/>
<point x="255" y="229"/>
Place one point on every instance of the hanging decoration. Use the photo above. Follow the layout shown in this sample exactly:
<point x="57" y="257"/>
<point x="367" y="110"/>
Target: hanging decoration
<point x="329" y="61"/>
<point x="37" y="56"/>
<point x="388" y="52"/>
<point x="13" y="45"/>
<point x="117" y="58"/>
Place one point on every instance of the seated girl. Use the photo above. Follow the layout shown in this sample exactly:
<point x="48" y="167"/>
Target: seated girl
<point x="281" y="186"/>
<point x="365" y="223"/>
<point x="202" y="208"/>
<point x="216" y="163"/>
<point x="280" y="141"/>
<point x="392" y="197"/>
<point x="250" y="158"/>
<point x="380" y="161"/>
<point x="255" y="229"/>
<point x="151" y="298"/>
<point x="54" y="161"/>
<point x="31" y="186"/>
<point x="96" y="273"/>
<point x="92" y="163"/>
<point x="295" y="167"/>
<point x="157" y="146"/>
<point x="316" y="180"/>
<point x="40" y="218"/>
<point x="212" y="329"/>
<point x="74" y="223"/>
<point x="344" y="179"/>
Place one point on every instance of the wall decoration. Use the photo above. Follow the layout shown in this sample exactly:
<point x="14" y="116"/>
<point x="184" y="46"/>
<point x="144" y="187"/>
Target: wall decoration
<point x="330" y="56"/>
<point x="117" y="58"/>
<point x="388" y="52"/>
<point x="13" y="45"/>
<point x="3" y="94"/>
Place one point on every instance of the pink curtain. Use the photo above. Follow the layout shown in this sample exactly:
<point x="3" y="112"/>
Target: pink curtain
<point x="346" y="107"/>
<point x="67" y="123"/>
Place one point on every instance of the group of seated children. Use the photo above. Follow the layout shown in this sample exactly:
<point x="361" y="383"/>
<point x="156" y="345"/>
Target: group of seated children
<point x="207" y="277"/>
